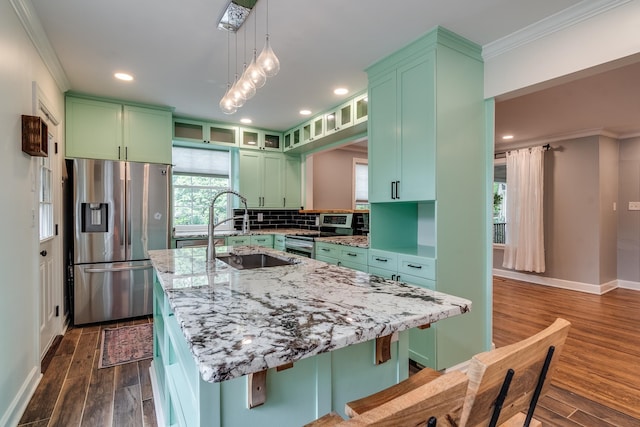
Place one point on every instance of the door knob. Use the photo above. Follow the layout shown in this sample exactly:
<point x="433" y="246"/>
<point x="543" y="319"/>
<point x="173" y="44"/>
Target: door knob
<point x="43" y="253"/>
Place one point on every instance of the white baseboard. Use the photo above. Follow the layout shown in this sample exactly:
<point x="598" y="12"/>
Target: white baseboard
<point x="157" y="399"/>
<point x="625" y="284"/>
<point x="560" y="283"/>
<point x="20" y="402"/>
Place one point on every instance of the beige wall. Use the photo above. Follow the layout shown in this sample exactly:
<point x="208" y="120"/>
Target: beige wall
<point x="581" y="185"/>
<point x="333" y="178"/>
<point x="629" y="221"/>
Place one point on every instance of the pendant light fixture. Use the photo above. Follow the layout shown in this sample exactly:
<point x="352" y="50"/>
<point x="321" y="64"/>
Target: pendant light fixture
<point x="255" y="75"/>
<point x="268" y="60"/>
<point x="226" y="103"/>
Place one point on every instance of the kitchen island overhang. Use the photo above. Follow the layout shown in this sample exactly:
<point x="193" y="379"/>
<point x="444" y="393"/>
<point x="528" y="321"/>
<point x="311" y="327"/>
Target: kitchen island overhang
<point x="324" y="318"/>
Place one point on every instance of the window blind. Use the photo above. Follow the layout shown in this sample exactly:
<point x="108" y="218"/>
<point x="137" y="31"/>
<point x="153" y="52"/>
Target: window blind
<point x="362" y="182"/>
<point x="200" y="161"/>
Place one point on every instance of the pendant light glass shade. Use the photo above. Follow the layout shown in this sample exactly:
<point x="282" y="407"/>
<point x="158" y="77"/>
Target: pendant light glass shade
<point x="236" y="95"/>
<point x="226" y="103"/>
<point x="255" y="73"/>
<point x="246" y="86"/>
<point x="268" y="60"/>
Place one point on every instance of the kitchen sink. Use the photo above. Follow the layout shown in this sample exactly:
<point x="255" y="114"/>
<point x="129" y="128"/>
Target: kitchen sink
<point x="247" y="262"/>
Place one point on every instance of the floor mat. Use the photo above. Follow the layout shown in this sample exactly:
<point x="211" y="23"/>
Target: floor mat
<point x="126" y="344"/>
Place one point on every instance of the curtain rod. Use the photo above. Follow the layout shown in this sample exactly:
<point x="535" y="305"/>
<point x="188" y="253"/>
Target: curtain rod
<point x="500" y="154"/>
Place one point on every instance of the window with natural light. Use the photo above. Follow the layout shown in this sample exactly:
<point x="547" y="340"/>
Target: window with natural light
<point x="198" y="174"/>
<point x="361" y="184"/>
<point x="499" y="202"/>
<point x="45" y="199"/>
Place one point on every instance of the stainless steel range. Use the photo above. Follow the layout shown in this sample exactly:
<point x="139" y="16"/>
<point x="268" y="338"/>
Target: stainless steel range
<point x="330" y="225"/>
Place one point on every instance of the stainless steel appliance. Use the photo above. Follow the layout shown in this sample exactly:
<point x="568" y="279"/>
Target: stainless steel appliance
<point x="330" y="225"/>
<point x="120" y="212"/>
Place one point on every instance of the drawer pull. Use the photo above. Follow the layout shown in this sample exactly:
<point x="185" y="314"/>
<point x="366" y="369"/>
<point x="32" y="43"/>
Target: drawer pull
<point x="414" y="266"/>
<point x="381" y="259"/>
<point x="351" y="254"/>
<point x="325" y="249"/>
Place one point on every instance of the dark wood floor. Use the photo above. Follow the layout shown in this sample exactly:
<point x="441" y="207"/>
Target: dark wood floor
<point x="74" y="392"/>
<point x="596" y="383"/>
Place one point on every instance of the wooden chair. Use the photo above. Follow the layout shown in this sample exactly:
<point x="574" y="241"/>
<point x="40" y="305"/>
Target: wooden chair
<point x="520" y="369"/>
<point x="437" y="403"/>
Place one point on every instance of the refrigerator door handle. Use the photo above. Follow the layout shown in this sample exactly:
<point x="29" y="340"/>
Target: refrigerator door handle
<point x="110" y="270"/>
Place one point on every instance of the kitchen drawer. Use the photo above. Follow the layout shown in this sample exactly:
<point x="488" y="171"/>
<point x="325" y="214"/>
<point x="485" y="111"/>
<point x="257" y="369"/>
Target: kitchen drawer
<point x="238" y="240"/>
<point x="381" y="272"/>
<point x="327" y="250"/>
<point x="383" y="259"/>
<point x="351" y="254"/>
<point x="263" y="240"/>
<point x="354" y="265"/>
<point x="417" y="266"/>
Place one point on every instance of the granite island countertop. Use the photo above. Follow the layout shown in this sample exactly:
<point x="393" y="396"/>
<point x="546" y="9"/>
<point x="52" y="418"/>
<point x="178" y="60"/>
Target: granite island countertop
<point x="238" y="322"/>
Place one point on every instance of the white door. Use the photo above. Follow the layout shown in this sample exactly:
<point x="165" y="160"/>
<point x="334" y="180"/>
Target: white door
<point x="50" y="289"/>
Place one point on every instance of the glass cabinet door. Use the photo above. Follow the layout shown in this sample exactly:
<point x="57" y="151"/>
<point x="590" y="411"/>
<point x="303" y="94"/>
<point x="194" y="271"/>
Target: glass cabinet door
<point x="346" y="115"/>
<point x="223" y="135"/>
<point x="318" y="127"/>
<point x="250" y="139"/>
<point x="306" y="133"/>
<point x="188" y="131"/>
<point x="361" y="105"/>
<point x="272" y="141"/>
<point x="330" y="122"/>
<point x="287" y="140"/>
<point x="296" y="136"/>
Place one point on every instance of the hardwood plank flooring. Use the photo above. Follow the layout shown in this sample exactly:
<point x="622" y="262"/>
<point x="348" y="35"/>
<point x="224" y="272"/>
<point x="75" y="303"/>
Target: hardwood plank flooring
<point x="74" y="392"/>
<point x="600" y="356"/>
<point x="595" y="384"/>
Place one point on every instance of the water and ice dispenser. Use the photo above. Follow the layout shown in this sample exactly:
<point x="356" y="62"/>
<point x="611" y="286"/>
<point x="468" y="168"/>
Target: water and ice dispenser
<point x="95" y="217"/>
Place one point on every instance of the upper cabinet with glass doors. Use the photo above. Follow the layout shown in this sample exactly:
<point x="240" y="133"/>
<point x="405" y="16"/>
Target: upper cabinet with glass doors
<point x="260" y="140"/>
<point x="204" y="132"/>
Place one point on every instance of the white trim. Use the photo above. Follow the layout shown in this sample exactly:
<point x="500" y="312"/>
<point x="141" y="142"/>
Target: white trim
<point x="501" y="147"/>
<point x="557" y="283"/>
<point x="32" y="25"/>
<point x="549" y="25"/>
<point x="626" y="284"/>
<point x="19" y="404"/>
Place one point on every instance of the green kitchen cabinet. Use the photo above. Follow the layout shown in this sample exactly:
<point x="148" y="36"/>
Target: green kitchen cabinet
<point x="256" y="139"/>
<point x="278" y="242"/>
<point x="262" y="240"/>
<point x="403" y="122"/>
<point x="190" y="130"/>
<point x="97" y="129"/>
<point x="342" y="255"/>
<point x="292" y="198"/>
<point x="360" y="108"/>
<point x="430" y="169"/>
<point x="238" y="240"/>
<point x="261" y="178"/>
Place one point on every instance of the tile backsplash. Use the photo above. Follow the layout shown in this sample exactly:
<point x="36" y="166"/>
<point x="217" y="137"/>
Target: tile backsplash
<point x="293" y="219"/>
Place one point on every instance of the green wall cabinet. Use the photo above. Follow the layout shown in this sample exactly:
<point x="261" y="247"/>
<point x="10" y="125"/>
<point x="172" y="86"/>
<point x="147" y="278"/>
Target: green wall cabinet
<point x="190" y="130"/>
<point x="269" y="179"/>
<point x="430" y="165"/>
<point x="256" y="139"/>
<point x="97" y="129"/>
<point x="404" y="125"/>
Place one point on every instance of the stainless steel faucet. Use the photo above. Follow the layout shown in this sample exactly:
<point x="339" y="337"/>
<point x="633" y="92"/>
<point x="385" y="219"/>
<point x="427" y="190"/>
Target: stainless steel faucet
<point x="211" y="247"/>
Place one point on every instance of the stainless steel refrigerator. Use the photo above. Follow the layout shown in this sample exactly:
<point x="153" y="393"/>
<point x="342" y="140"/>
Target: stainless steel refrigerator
<point x="120" y="212"/>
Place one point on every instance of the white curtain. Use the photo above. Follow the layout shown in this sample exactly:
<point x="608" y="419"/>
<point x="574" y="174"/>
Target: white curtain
<point x="524" y="245"/>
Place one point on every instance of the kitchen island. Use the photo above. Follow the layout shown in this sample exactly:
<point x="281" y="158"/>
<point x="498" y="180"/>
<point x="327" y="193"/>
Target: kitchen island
<point x="277" y="345"/>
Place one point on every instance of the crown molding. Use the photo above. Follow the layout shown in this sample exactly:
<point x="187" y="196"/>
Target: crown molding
<point x="559" y="21"/>
<point x="32" y="25"/>
<point x="501" y="146"/>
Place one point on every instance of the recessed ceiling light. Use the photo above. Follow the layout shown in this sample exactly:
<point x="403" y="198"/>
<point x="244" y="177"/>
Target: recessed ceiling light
<point x="507" y="137"/>
<point x="123" y="76"/>
<point x="305" y="112"/>
<point x="246" y="121"/>
<point x="341" y="91"/>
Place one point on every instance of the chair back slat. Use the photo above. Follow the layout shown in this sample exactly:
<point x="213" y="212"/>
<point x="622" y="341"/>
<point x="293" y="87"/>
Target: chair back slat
<point x="442" y="398"/>
<point x="487" y="373"/>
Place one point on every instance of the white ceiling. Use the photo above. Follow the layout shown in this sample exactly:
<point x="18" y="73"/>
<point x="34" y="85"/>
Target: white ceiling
<point x="179" y="57"/>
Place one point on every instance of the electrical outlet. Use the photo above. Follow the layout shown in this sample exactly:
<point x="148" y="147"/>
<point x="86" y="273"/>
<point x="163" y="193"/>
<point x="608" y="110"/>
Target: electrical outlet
<point x="317" y="221"/>
<point x="260" y="217"/>
<point x="634" y="206"/>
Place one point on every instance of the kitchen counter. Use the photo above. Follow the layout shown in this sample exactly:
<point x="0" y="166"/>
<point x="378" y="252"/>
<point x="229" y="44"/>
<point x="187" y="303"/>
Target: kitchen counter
<point x="288" y="313"/>
<point x="225" y="233"/>
<point x="355" y="241"/>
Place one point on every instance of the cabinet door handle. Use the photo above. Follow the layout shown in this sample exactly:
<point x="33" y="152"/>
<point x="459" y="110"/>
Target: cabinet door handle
<point x="284" y="202"/>
<point x="118" y="153"/>
<point x="414" y="266"/>
<point x="381" y="259"/>
<point x="393" y="277"/>
<point x="393" y="190"/>
<point x="397" y="189"/>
